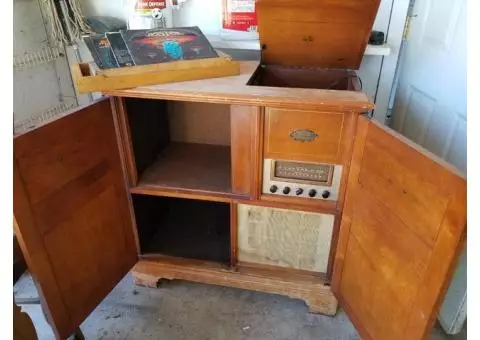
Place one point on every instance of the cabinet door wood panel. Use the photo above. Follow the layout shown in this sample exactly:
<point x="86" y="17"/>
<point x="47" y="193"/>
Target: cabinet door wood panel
<point x="403" y="224"/>
<point x="72" y="213"/>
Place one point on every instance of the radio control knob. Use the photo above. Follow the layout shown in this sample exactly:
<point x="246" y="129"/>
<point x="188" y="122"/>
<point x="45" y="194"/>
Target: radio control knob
<point x="326" y="194"/>
<point x="273" y="189"/>
<point x="286" y="190"/>
<point x="312" y="193"/>
<point x="299" y="191"/>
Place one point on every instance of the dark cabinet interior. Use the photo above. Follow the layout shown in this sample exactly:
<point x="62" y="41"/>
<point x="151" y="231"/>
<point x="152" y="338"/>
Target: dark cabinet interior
<point x="306" y="77"/>
<point x="183" y="228"/>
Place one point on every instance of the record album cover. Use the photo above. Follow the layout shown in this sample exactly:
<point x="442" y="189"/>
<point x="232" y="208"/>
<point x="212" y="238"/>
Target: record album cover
<point x="93" y="51"/>
<point x="120" y="50"/>
<point x="161" y="45"/>
<point x="100" y="46"/>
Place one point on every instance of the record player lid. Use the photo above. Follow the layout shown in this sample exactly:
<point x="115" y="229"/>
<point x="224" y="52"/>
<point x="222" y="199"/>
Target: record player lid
<point x="322" y="33"/>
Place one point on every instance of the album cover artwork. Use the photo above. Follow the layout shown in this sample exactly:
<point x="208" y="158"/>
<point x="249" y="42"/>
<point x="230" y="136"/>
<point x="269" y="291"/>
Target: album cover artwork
<point x="93" y="51"/>
<point x="120" y="50"/>
<point x="101" y="50"/>
<point x="162" y="45"/>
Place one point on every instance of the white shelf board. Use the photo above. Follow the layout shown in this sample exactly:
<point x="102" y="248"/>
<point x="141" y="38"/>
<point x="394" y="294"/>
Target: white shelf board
<point x="378" y="50"/>
<point x="218" y="42"/>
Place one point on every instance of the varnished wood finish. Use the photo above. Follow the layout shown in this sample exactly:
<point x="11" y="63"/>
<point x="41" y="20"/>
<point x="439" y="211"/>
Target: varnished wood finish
<point x="19" y="264"/>
<point x="190" y="168"/>
<point x="282" y="272"/>
<point x="23" y="327"/>
<point x="259" y="156"/>
<point x="304" y="77"/>
<point x="125" y="141"/>
<point x="312" y="289"/>
<point x="349" y="133"/>
<point x="200" y="123"/>
<point x="233" y="234"/>
<point x="235" y="91"/>
<point x="149" y="130"/>
<point x="325" y="148"/>
<point x="325" y="33"/>
<point x="190" y="194"/>
<point x="301" y="202"/>
<point x="333" y="246"/>
<point x="293" y="203"/>
<point x="160" y="73"/>
<point x="245" y="146"/>
<point x="313" y="153"/>
<point x="71" y="209"/>
<point x="127" y="157"/>
<point x="403" y="226"/>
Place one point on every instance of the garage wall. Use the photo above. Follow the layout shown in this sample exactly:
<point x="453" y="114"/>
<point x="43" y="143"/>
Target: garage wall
<point x="42" y="81"/>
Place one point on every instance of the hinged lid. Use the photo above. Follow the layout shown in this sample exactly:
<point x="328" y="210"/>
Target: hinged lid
<point x="323" y="33"/>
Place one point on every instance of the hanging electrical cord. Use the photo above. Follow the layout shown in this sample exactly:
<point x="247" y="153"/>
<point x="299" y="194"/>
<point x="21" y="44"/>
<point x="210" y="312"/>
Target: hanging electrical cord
<point x="66" y="21"/>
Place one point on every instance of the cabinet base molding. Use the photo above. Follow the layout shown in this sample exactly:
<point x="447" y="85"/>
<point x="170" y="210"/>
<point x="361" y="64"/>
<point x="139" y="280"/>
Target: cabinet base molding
<point x="314" y="291"/>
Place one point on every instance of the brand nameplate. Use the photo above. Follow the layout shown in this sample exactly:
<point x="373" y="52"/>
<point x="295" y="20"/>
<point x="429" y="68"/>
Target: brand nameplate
<point x="303" y="135"/>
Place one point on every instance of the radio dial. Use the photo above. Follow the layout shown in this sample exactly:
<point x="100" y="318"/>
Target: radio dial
<point x="312" y="193"/>
<point x="299" y="191"/>
<point x="286" y="190"/>
<point x="326" y="194"/>
<point x="273" y="189"/>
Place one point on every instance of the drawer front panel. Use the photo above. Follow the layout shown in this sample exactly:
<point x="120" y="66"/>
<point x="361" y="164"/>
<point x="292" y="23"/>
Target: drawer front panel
<point x="284" y="238"/>
<point x="304" y="135"/>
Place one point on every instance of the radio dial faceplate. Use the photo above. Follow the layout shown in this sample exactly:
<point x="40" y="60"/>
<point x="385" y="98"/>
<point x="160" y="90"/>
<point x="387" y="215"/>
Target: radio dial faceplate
<point x="301" y="179"/>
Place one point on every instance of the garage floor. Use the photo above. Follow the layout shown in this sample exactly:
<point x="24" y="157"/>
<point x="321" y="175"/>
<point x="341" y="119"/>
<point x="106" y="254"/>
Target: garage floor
<point x="184" y="310"/>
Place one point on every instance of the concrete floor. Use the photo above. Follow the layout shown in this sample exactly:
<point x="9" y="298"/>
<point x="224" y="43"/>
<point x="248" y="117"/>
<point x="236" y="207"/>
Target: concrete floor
<point x="185" y="310"/>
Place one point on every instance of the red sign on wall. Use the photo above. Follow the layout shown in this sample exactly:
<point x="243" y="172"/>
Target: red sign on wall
<point x="239" y="15"/>
<point x="149" y="5"/>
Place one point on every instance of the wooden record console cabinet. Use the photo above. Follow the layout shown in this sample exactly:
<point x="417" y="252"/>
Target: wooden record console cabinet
<point x="274" y="180"/>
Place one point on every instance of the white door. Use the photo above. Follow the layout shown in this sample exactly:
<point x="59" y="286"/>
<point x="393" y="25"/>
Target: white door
<point x="430" y="106"/>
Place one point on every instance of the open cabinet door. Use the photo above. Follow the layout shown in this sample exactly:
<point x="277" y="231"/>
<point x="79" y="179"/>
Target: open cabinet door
<point x="72" y="215"/>
<point x="403" y="225"/>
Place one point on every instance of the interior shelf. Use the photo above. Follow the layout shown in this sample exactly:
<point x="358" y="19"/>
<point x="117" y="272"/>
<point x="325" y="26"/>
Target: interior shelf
<point x="189" y="168"/>
<point x="181" y="149"/>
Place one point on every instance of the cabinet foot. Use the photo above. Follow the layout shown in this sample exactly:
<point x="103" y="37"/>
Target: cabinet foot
<point x="149" y="281"/>
<point x="315" y="292"/>
<point x="322" y="305"/>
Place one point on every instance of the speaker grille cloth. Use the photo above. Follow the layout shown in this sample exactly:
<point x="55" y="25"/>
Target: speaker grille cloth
<point x="285" y="238"/>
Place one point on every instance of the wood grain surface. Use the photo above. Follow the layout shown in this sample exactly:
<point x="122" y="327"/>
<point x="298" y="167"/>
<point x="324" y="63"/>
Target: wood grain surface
<point x="310" y="288"/>
<point x="245" y="146"/>
<point x="324" y="33"/>
<point x="189" y="167"/>
<point x="71" y="210"/>
<point x="325" y="148"/>
<point x="403" y="226"/>
<point x="200" y="123"/>
<point x="235" y="91"/>
<point x="23" y="327"/>
<point x="128" y="77"/>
